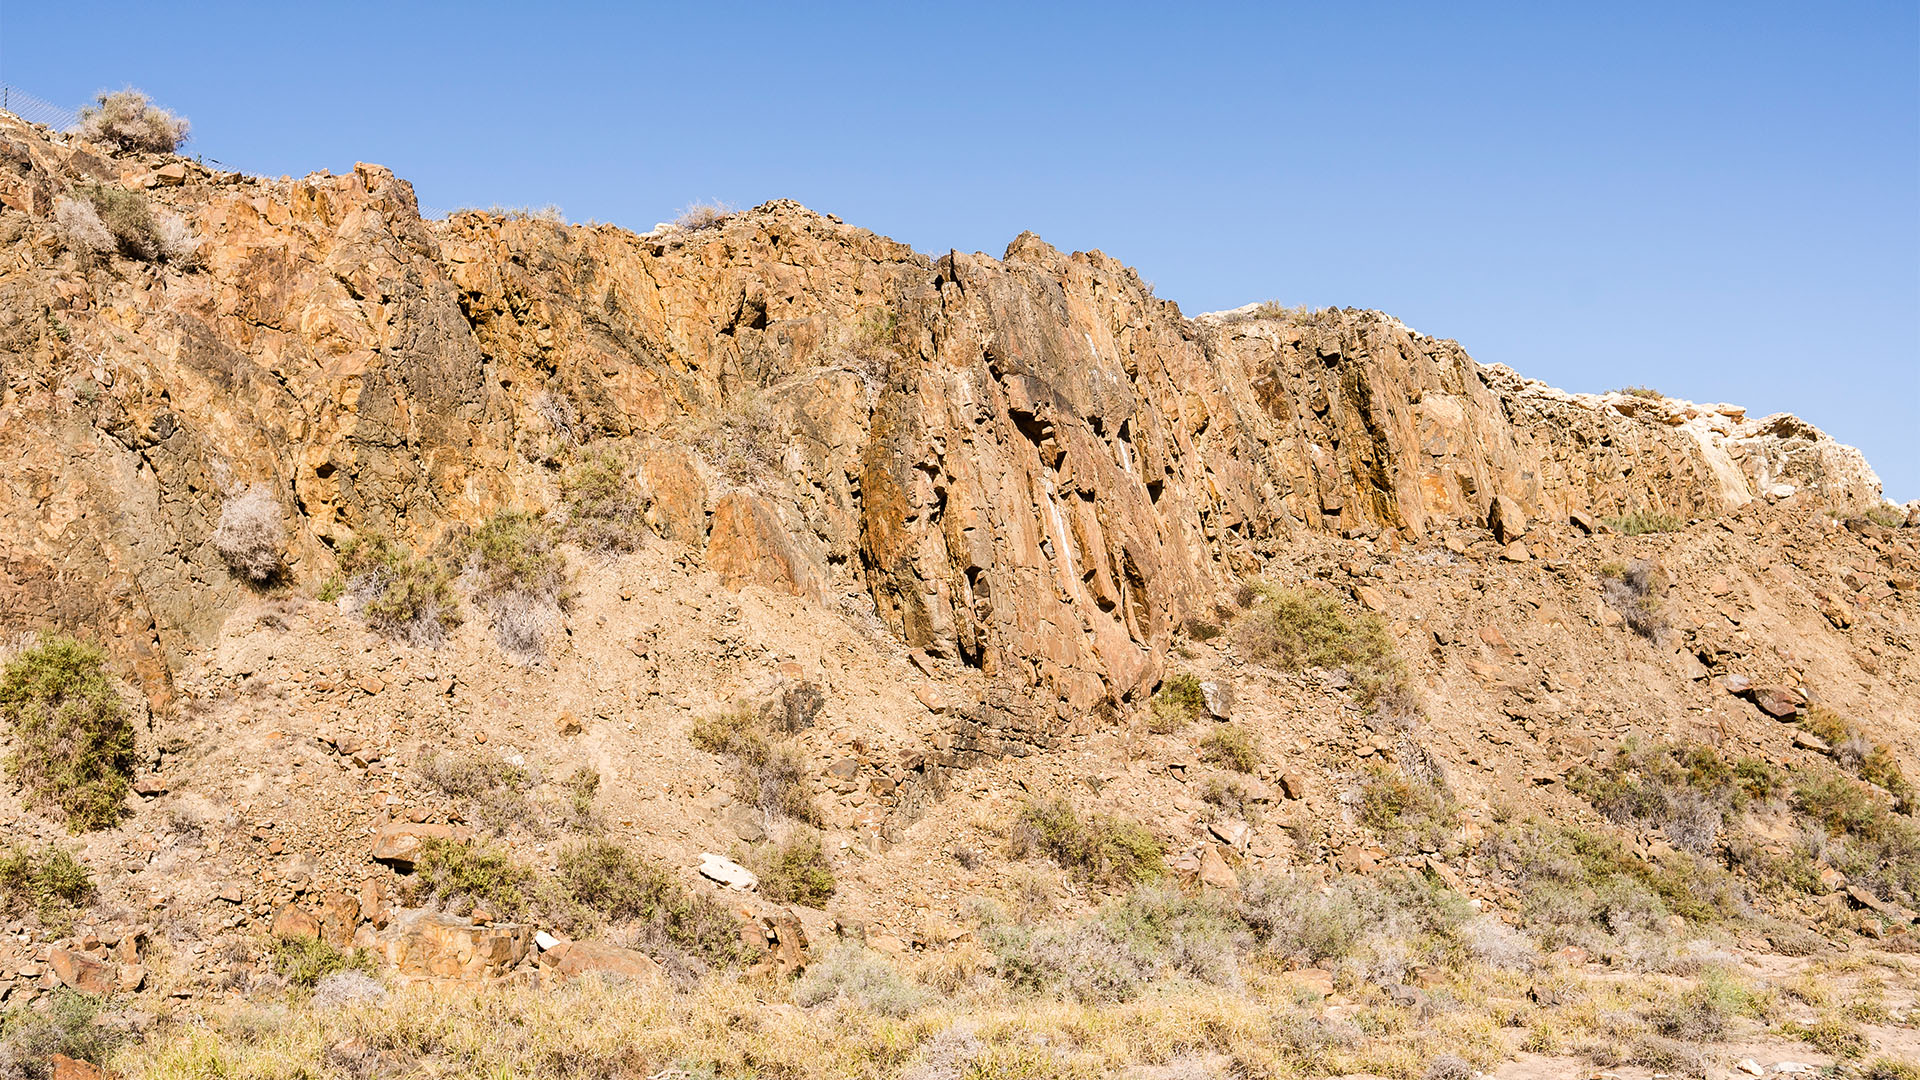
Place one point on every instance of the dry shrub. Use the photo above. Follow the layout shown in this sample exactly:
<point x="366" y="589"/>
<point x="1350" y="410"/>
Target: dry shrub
<point x="601" y="880"/>
<point x="1294" y="629"/>
<point x="488" y="788"/>
<point x="1634" y="590"/>
<point x="126" y="120"/>
<point x="81" y="227"/>
<point x="1408" y="806"/>
<point x="73" y="740"/>
<point x="1641" y="522"/>
<point x="772" y="774"/>
<point x="516" y="576"/>
<point x="397" y="593"/>
<point x="703" y="215"/>
<point x="794" y="872"/>
<point x="251" y="538"/>
<point x="857" y="976"/>
<point x="48" y="881"/>
<point x="605" y="503"/>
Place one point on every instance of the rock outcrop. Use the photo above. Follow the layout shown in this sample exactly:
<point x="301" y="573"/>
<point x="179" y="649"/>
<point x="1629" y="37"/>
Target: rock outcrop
<point x="1028" y="465"/>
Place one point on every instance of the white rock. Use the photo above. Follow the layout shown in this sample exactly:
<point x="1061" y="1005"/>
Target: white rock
<point x="1791" y="1067"/>
<point x="545" y="940"/>
<point x="727" y="872"/>
<point x="1750" y="1067"/>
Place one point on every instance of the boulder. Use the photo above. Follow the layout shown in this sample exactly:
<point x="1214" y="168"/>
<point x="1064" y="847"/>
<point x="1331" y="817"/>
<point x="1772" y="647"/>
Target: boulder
<point x="571" y="959"/>
<point x="1217" y="694"/>
<point x="1779" y="702"/>
<point x="1506" y="519"/>
<point x="398" y="845"/>
<point x="83" y="972"/>
<point x="727" y="872"/>
<point x="435" y="945"/>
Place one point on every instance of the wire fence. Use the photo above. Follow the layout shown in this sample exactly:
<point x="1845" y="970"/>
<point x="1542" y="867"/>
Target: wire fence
<point x="36" y="111"/>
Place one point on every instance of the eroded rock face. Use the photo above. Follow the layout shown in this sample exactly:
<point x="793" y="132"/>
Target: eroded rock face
<point x="1028" y="465"/>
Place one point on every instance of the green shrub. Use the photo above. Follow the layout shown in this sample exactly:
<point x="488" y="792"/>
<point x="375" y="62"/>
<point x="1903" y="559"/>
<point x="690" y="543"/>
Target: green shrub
<point x="72" y="735"/>
<point x="1231" y="746"/>
<point x="304" y="961"/>
<point x="1294" y="629"/>
<point x="607" y="882"/>
<point x="399" y="594"/>
<point x="1860" y="755"/>
<point x="1830" y="1035"/>
<point x="604" y="503"/>
<point x="50" y="882"/>
<point x="467" y="874"/>
<point x="1641" y="522"/>
<point x="1102" y="849"/>
<point x="1177" y="703"/>
<point x="796" y="872"/>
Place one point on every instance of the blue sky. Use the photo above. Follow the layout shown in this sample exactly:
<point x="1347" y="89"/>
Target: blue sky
<point x="1720" y="201"/>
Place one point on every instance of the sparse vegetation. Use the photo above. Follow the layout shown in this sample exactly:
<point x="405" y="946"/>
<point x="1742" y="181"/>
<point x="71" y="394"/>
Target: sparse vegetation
<point x="1853" y="751"/>
<point x="464" y="875"/>
<point x="1641" y="522"/>
<point x="741" y="438"/>
<point x="1231" y="746"/>
<point x="48" y="881"/>
<point x="304" y="961"/>
<point x="1408" y="806"/>
<point x="68" y="1023"/>
<point x="398" y="593"/>
<point x="251" y="538"/>
<point x="794" y="872"/>
<point x="127" y="121"/>
<point x="1102" y="849"/>
<point x="1293" y="629"/>
<point x="486" y="787"/>
<point x="1647" y="392"/>
<point x="604" y="503"/>
<point x="516" y="576"/>
<point x="1177" y="703"/>
<point x="73" y="741"/>
<point x="772" y="775"/>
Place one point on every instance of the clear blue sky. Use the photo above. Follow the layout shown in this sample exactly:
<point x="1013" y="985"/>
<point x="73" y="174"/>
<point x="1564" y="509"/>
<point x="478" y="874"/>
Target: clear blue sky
<point x="1718" y="200"/>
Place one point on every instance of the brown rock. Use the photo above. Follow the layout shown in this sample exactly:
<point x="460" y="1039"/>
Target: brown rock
<point x="749" y="545"/>
<point x="423" y="943"/>
<point x="1506" y="519"/>
<point x="567" y="725"/>
<point x="1779" y="702"/>
<point x="79" y="971"/>
<point x="1293" y="785"/>
<point x="399" y="844"/>
<point x="292" y="921"/>
<point x="66" y="1068"/>
<point x="1215" y="871"/>
<point x="571" y="959"/>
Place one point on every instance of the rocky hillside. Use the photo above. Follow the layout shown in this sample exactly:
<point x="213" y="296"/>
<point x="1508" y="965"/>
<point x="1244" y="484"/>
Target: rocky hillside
<point x="983" y="531"/>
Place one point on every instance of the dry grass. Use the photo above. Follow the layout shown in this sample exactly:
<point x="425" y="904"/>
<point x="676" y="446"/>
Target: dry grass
<point x="1296" y="628"/>
<point x="126" y="120"/>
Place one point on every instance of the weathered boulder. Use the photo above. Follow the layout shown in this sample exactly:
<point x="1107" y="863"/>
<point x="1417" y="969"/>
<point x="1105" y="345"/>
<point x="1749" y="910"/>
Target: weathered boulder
<point x="83" y="972"/>
<point x="432" y="944"/>
<point x="399" y="844"/>
<point x="570" y="959"/>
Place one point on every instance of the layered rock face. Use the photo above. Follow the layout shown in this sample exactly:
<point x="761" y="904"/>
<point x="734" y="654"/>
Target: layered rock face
<point x="1026" y="465"/>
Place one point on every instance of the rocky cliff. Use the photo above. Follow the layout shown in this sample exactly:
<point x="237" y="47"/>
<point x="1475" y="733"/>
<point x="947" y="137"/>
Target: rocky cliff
<point x="1029" y="466"/>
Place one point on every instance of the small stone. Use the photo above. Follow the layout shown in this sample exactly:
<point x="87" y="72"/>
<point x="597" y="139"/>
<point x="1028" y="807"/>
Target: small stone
<point x="567" y="724"/>
<point x="1807" y="740"/>
<point x="1516" y="552"/>
<point x="1293" y="785"/>
<point x="148" y="787"/>
<point x="1215" y="872"/>
<point x="1217" y="694"/>
<point x="78" y="970"/>
<point x="1736" y="684"/>
<point x="372" y="684"/>
<point x="545" y="941"/>
<point x="1750" y="1067"/>
<point x="1779" y="702"/>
